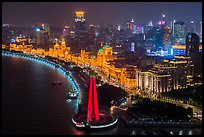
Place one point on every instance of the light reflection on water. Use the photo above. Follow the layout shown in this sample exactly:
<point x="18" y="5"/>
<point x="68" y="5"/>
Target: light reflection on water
<point x="33" y="106"/>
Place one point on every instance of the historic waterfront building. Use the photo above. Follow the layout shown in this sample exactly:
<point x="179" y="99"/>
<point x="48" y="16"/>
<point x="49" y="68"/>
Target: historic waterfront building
<point x="166" y="76"/>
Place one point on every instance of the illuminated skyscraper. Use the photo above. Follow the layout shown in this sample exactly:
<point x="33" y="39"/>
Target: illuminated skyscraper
<point x="201" y="28"/>
<point x="79" y="16"/>
<point x="179" y="32"/>
<point x="43" y="36"/>
<point x="150" y="23"/>
<point x="192" y="26"/>
<point x="201" y="32"/>
<point x="132" y="46"/>
<point x="130" y="24"/>
<point x="192" y="44"/>
<point x="167" y="36"/>
<point x="46" y="28"/>
<point x="172" y="27"/>
<point x="192" y="50"/>
<point x="164" y="19"/>
<point x="80" y="29"/>
<point x="160" y="32"/>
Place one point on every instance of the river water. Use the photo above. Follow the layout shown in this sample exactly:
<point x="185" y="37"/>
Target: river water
<point x="31" y="105"/>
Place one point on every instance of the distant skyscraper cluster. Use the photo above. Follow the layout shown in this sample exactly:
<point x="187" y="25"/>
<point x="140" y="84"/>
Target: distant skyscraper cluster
<point x="127" y="49"/>
<point x="156" y="37"/>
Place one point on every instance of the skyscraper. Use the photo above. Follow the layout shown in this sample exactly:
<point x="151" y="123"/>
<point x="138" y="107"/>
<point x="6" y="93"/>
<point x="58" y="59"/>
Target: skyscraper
<point x="201" y="28"/>
<point x="167" y="36"/>
<point x="80" y="29"/>
<point x="192" y="26"/>
<point x="192" y="44"/>
<point x="164" y="19"/>
<point x="201" y="32"/>
<point x="179" y="32"/>
<point x="160" y="29"/>
<point x="172" y="27"/>
<point x="43" y="36"/>
<point x="192" y="50"/>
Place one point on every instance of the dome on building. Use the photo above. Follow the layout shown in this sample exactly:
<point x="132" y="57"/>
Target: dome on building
<point x="101" y="49"/>
<point x="106" y="46"/>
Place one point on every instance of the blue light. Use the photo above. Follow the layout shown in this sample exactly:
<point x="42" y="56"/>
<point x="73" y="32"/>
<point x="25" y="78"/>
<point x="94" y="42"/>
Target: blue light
<point x="62" y="70"/>
<point x="96" y="34"/>
<point x="37" y="29"/>
<point x="172" y="51"/>
<point x="13" y="40"/>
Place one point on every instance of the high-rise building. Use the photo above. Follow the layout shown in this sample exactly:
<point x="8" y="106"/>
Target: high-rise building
<point x="192" y="26"/>
<point x="46" y="28"/>
<point x="159" y="37"/>
<point x="164" y="19"/>
<point x="179" y="32"/>
<point x="201" y="32"/>
<point x="172" y="27"/>
<point x="160" y="32"/>
<point x="132" y="46"/>
<point x="43" y="36"/>
<point x="150" y="23"/>
<point x="192" y="44"/>
<point x="80" y="29"/>
<point x="201" y="28"/>
<point x="130" y="24"/>
<point x="91" y="34"/>
<point x="192" y="50"/>
<point x="167" y="36"/>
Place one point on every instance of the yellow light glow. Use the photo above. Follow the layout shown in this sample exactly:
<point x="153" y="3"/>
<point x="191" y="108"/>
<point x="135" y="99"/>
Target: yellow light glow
<point x="183" y="47"/>
<point x="200" y="47"/>
<point x="79" y="13"/>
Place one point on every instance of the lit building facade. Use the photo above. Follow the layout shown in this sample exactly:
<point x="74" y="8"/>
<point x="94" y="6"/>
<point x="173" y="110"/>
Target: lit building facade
<point x="25" y="48"/>
<point x="192" y="27"/>
<point x="201" y="32"/>
<point x="163" y="77"/>
<point x="154" y="81"/>
<point x="59" y="51"/>
<point x="43" y="36"/>
<point x="80" y="29"/>
<point x="179" y="50"/>
<point x="104" y="61"/>
<point x="179" y="32"/>
<point x="192" y="43"/>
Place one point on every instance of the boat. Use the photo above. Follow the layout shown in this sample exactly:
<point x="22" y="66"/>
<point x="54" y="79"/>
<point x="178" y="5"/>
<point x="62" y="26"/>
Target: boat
<point x="72" y="95"/>
<point x="58" y="82"/>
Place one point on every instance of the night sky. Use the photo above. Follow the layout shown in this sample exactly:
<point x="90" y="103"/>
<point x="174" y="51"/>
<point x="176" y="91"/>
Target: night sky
<point x="62" y="13"/>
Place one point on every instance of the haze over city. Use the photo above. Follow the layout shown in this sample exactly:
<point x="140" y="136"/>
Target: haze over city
<point x="62" y="13"/>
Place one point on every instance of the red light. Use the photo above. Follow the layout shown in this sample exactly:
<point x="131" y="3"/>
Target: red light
<point x="93" y="111"/>
<point x="89" y="113"/>
<point x="131" y="26"/>
<point x="161" y="22"/>
<point x="96" y="111"/>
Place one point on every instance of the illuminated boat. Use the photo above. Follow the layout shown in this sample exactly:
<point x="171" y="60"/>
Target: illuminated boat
<point x="72" y="95"/>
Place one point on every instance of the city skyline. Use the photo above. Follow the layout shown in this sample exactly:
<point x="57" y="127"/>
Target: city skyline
<point x="130" y="68"/>
<point x="63" y="13"/>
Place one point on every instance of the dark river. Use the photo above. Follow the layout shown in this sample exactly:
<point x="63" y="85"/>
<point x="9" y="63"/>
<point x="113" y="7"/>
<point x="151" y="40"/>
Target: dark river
<point x="32" y="105"/>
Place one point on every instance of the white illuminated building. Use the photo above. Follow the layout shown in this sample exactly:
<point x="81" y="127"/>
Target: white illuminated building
<point x="150" y="23"/>
<point x="133" y="47"/>
<point x="79" y="16"/>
